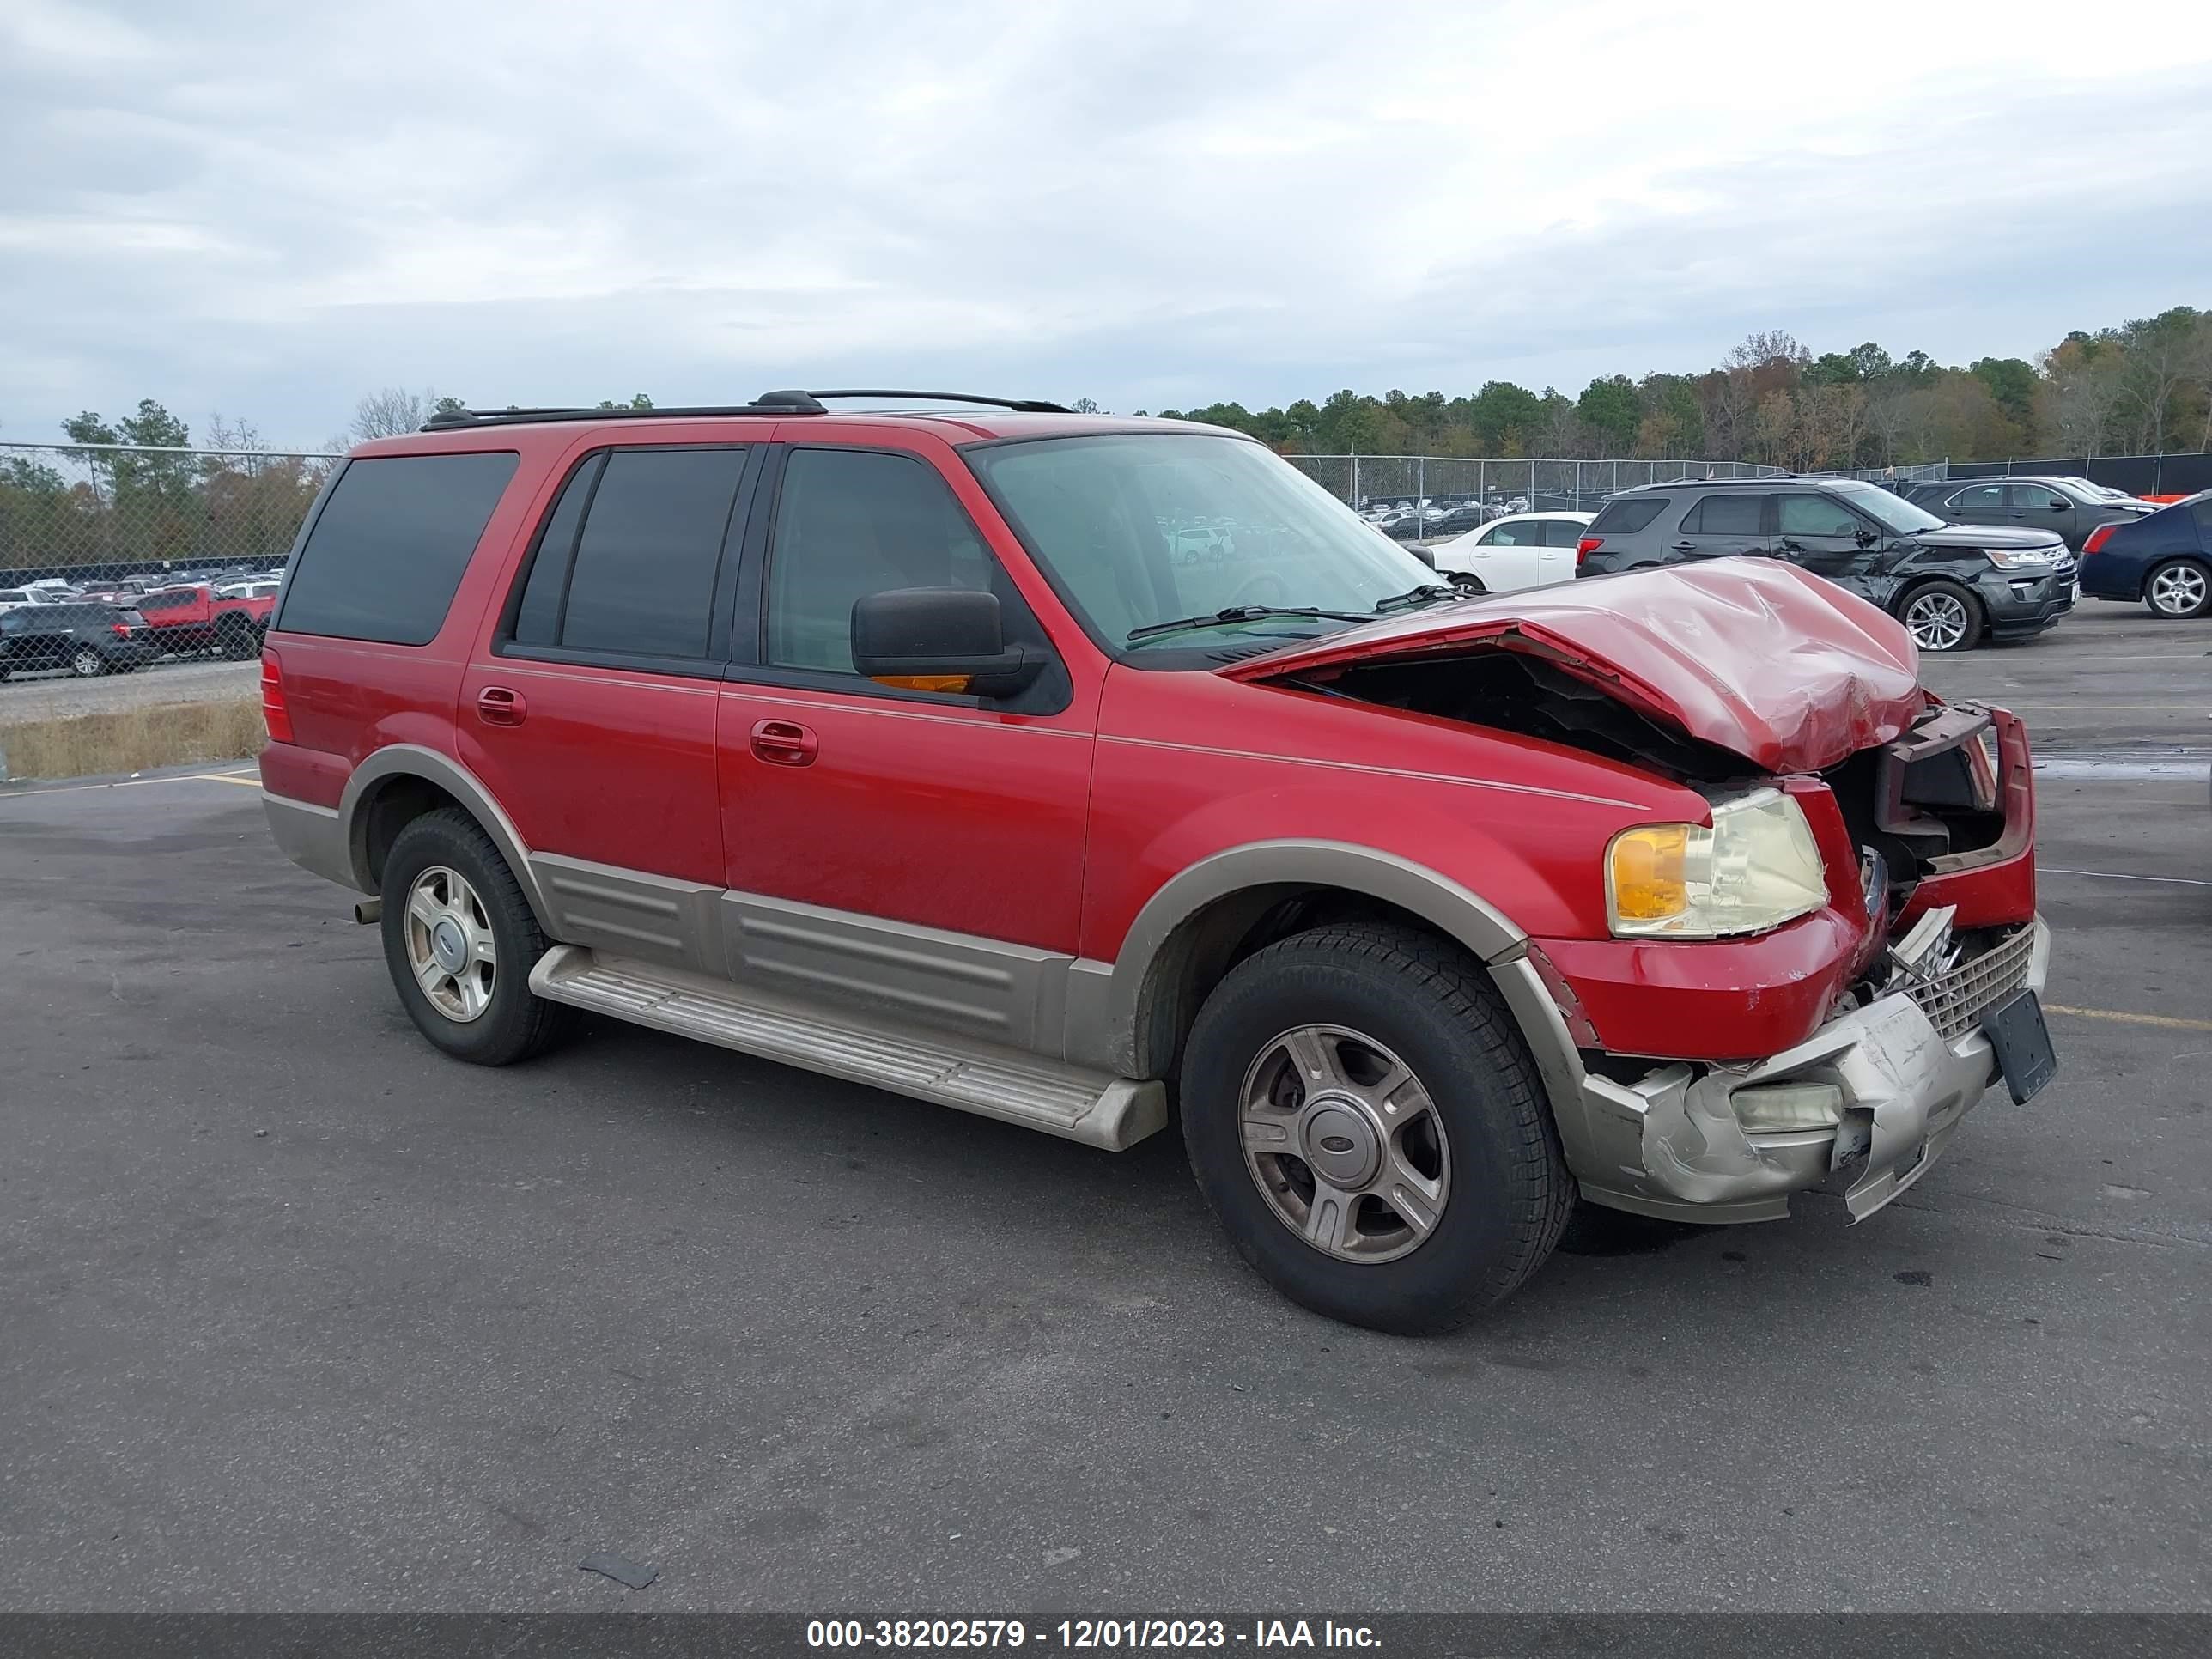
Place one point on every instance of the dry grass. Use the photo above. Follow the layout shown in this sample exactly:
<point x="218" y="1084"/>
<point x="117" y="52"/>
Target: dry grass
<point x="134" y="739"/>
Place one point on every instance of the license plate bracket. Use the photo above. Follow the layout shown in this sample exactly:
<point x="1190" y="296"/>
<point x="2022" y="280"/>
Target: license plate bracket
<point x="2022" y="1042"/>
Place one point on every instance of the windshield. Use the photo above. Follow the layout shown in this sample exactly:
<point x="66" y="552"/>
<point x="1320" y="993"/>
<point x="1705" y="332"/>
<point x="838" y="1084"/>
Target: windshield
<point x="1893" y="513"/>
<point x="1140" y="528"/>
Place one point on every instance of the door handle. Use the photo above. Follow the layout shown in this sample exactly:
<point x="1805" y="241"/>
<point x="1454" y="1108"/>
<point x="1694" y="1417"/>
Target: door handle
<point x="785" y="743"/>
<point x="1685" y="547"/>
<point x="497" y="705"/>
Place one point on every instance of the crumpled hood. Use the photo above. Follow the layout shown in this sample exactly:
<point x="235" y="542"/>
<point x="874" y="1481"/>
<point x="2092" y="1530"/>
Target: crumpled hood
<point x="1759" y="658"/>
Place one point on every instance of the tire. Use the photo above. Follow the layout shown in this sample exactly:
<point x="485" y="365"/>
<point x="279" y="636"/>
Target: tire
<point x="445" y="853"/>
<point x="1477" y="1135"/>
<point x="2179" y="590"/>
<point x="87" y="664"/>
<point x="238" y="639"/>
<point x="1467" y="582"/>
<point x="1942" y="617"/>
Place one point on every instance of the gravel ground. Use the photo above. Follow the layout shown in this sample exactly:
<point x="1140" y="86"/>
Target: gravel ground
<point x="49" y="696"/>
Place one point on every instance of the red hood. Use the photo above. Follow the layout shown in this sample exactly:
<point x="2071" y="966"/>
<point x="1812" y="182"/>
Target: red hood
<point x="1755" y="657"/>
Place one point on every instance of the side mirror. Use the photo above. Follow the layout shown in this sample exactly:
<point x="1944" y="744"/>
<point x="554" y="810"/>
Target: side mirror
<point x="1865" y="538"/>
<point x="2059" y="506"/>
<point x="939" y="639"/>
<point x="1423" y="556"/>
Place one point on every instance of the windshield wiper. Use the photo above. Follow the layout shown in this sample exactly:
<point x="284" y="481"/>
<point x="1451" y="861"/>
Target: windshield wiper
<point x="1426" y="593"/>
<point x="1236" y="613"/>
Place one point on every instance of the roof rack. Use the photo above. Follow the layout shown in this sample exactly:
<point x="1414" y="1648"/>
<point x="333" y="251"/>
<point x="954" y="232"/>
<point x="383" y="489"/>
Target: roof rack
<point x="769" y="403"/>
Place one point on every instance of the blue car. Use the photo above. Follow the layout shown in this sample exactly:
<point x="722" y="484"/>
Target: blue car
<point x="2164" y="560"/>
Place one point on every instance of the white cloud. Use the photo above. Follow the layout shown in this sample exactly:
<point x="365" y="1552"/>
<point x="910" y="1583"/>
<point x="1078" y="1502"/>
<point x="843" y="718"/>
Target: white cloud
<point x="277" y="208"/>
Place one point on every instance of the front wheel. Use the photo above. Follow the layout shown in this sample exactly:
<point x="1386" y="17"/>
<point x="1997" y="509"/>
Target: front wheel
<point x="1467" y="582"/>
<point x="1368" y="1125"/>
<point x="1943" y="616"/>
<point x="460" y="940"/>
<point x="238" y="640"/>
<point x="2179" y="590"/>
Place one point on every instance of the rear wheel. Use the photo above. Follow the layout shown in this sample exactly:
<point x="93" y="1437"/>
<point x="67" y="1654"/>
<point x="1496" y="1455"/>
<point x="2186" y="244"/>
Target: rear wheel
<point x="1943" y="616"/>
<point x="2179" y="590"/>
<point x="460" y="940"/>
<point x="238" y="639"/>
<point x="1367" y="1124"/>
<point x="87" y="664"/>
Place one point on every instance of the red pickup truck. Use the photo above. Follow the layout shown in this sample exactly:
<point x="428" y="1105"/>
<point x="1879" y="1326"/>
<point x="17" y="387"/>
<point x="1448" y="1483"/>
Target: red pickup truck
<point x="190" y="618"/>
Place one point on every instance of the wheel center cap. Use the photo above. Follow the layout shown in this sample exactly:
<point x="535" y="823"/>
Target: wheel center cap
<point x="447" y="944"/>
<point x="1339" y="1141"/>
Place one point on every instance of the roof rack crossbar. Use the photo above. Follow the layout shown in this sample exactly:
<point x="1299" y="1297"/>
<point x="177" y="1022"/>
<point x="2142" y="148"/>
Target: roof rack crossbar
<point x="769" y="403"/>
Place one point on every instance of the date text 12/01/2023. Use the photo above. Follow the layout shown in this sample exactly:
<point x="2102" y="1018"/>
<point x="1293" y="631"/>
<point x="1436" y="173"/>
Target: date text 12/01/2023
<point x="1080" y="1634"/>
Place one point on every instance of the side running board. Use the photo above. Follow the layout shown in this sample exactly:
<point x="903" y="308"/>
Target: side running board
<point x="1095" y="1108"/>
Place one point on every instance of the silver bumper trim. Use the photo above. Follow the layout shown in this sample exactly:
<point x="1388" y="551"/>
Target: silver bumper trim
<point x="1673" y="1146"/>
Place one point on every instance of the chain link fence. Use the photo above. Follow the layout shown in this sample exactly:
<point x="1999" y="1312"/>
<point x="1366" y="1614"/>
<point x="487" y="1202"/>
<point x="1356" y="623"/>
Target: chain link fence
<point x="115" y="560"/>
<point x="1367" y="482"/>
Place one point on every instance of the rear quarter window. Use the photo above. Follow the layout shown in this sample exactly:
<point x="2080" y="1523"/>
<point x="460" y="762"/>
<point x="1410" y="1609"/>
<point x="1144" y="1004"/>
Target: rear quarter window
<point x="387" y="552"/>
<point x="1627" y="518"/>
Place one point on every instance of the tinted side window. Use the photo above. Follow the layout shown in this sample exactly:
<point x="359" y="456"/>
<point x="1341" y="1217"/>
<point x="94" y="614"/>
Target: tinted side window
<point x="643" y="578"/>
<point x="391" y="545"/>
<point x="1981" y="498"/>
<point x="1725" y="515"/>
<point x="1625" y="518"/>
<point x="2202" y="511"/>
<point x="2034" y="495"/>
<point x="1562" y="532"/>
<point x="851" y="522"/>
<point x="1515" y="535"/>
<point x="538" y="618"/>
<point x="1815" y="515"/>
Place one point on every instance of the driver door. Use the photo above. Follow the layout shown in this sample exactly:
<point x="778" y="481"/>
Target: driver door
<point x="891" y="811"/>
<point x="1818" y="533"/>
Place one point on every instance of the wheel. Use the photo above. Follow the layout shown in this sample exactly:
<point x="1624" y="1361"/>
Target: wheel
<point x="238" y="639"/>
<point x="2179" y="590"/>
<point x="87" y="664"/>
<point x="1943" y="616"/>
<point x="1367" y="1123"/>
<point x="460" y="941"/>
<point x="1467" y="582"/>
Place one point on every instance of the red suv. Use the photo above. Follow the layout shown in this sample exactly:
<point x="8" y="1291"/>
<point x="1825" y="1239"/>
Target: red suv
<point x="1073" y="770"/>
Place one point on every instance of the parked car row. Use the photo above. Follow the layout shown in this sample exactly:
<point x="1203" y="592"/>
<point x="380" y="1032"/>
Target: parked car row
<point x="87" y="639"/>
<point x="101" y="629"/>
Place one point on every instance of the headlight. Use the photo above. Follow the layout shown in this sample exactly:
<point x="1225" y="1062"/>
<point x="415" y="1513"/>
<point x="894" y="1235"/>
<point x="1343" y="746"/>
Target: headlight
<point x="2021" y="558"/>
<point x="1756" y="868"/>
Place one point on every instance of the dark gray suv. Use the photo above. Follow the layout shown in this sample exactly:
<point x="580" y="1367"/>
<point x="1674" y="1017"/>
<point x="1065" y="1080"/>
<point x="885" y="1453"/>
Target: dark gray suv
<point x="1953" y="585"/>
<point x="2071" y="506"/>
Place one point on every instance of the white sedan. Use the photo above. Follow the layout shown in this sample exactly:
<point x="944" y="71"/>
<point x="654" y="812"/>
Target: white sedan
<point x="1524" y="550"/>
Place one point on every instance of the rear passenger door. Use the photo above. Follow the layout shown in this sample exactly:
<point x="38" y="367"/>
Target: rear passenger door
<point x="592" y="716"/>
<point x="935" y="840"/>
<point x="1978" y="504"/>
<point x="1721" y="526"/>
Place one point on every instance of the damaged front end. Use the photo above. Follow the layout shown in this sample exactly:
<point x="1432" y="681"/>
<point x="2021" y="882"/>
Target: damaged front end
<point x="1708" y="1078"/>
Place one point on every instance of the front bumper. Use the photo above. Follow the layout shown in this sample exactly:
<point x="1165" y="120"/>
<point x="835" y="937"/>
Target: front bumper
<point x="2019" y="606"/>
<point x="1668" y="1143"/>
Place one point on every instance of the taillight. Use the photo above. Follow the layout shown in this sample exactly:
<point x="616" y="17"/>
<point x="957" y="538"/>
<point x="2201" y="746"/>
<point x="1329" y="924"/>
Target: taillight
<point x="1588" y="545"/>
<point x="2098" y="538"/>
<point x="121" y="630"/>
<point x="273" y="711"/>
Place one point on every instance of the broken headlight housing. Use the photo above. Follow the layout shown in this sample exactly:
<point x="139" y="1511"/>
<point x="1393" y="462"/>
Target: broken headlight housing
<point x="1754" y="869"/>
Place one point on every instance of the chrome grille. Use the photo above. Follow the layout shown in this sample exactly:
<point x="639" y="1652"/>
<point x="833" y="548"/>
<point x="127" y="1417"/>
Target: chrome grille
<point x="1953" y="1000"/>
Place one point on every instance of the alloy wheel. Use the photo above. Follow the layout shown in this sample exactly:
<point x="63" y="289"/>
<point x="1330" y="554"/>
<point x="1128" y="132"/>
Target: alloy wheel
<point x="450" y="949"/>
<point x="1344" y="1144"/>
<point x="1937" y="622"/>
<point x="86" y="665"/>
<point x="2179" y="590"/>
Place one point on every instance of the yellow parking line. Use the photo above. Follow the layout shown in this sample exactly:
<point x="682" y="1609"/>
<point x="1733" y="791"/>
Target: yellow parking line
<point x="251" y="779"/>
<point x="2166" y="1022"/>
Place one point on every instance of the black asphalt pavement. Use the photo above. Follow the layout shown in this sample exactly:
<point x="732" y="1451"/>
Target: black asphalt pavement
<point x="296" y="1313"/>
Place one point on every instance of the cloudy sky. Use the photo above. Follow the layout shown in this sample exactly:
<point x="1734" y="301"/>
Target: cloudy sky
<point x="270" y="210"/>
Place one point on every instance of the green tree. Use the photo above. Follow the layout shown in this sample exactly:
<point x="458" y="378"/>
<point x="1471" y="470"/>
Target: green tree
<point x="2011" y="382"/>
<point x="1611" y="411"/>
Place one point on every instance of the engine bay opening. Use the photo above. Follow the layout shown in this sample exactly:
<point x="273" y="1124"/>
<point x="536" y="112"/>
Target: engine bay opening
<point x="1513" y="691"/>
